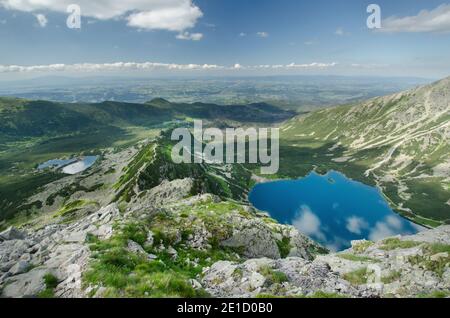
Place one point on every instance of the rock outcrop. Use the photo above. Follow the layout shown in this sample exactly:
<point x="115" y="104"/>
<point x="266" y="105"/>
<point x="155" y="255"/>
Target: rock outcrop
<point x="398" y="267"/>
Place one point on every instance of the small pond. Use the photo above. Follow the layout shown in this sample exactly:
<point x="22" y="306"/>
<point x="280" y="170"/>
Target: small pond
<point x="81" y="165"/>
<point x="55" y="163"/>
<point x="70" y="166"/>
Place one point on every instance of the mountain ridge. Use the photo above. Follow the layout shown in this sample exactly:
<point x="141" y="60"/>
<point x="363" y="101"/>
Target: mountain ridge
<point x="399" y="142"/>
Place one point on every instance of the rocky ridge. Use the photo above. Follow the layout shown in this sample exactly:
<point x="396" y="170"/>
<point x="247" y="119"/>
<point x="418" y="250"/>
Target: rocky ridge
<point x="257" y="264"/>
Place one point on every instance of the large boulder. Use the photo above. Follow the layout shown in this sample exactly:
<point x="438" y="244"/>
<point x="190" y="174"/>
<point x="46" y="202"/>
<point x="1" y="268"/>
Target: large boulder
<point x="12" y="234"/>
<point x="255" y="238"/>
<point x="25" y="285"/>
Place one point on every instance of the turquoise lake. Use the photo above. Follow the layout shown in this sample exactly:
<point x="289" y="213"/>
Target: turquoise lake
<point x="331" y="209"/>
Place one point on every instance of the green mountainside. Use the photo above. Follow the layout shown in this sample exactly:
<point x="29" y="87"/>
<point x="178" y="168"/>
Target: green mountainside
<point x="32" y="132"/>
<point x="401" y="143"/>
<point x="24" y="118"/>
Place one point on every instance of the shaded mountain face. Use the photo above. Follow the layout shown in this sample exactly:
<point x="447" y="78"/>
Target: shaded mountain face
<point x="23" y="118"/>
<point x="399" y="142"/>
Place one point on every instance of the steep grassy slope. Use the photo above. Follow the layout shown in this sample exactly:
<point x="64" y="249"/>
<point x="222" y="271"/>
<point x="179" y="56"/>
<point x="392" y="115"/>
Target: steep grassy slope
<point x="400" y="143"/>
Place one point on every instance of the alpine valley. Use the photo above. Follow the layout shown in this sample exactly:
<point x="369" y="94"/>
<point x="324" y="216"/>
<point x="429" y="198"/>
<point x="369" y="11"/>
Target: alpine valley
<point x="132" y="223"/>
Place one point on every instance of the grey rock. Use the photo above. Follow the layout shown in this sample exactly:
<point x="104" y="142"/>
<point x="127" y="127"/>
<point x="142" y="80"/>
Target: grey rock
<point x="12" y="234"/>
<point x="255" y="237"/>
<point x="150" y="239"/>
<point x="135" y="248"/>
<point x="172" y="252"/>
<point x="19" y="268"/>
<point x="25" y="285"/>
<point x="5" y="267"/>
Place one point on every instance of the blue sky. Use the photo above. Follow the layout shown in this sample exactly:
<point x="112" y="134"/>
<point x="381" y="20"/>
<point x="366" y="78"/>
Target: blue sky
<point x="238" y="37"/>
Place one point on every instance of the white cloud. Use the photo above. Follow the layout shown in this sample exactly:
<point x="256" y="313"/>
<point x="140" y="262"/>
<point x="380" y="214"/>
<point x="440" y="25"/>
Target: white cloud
<point x="381" y="231"/>
<point x="308" y="223"/>
<point x="262" y="34"/>
<point x="291" y="66"/>
<point x="42" y="20"/>
<point x="119" y="66"/>
<point x="149" y="66"/>
<point x="242" y="34"/>
<point x="172" y="15"/>
<point x="355" y="225"/>
<point x="437" y="20"/>
<point x="394" y="222"/>
<point x="190" y="36"/>
<point x="339" y="31"/>
<point x="391" y="226"/>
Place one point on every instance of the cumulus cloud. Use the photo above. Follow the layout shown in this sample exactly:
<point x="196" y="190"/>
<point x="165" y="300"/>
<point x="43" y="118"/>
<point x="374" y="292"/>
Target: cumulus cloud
<point x="262" y="34"/>
<point x="119" y="66"/>
<point x="390" y="226"/>
<point x="172" y="15"/>
<point x="436" y="20"/>
<point x="42" y="20"/>
<point x="381" y="231"/>
<point x="149" y="66"/>
<point x="242" y="34"/>
<point x="355" y="225"/>
<point x="394" y="222"/>
<point x="309" y="223"/>
<point x="190" y="36"/>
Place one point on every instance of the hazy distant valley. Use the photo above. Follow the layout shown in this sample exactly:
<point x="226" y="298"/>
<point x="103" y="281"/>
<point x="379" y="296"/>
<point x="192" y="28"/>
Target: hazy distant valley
<point x="299" y="93"/>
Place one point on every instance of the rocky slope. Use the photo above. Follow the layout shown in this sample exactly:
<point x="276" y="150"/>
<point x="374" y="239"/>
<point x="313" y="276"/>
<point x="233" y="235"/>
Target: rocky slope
<point x="401" y="143"/>
<point x="117" y="231"/>
<point x="204" y="246"/>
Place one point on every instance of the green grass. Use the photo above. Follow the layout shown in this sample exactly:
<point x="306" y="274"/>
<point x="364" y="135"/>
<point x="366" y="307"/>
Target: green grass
<point x="51" y="282"/>
<point x="435" y="294"/>
<point x="316" y="295"/>
<point x="273" y="276"/>
<point x="357" y="277"/>
<point x="395" y="243"/>
<point x="129" y="275"/>
<point x="362" y="246"/>
<point x="357" y="258"/>
<point x="284" y="246"/>
<point x="391" y="277"/>
<point x="72" y="207"/>
<point x="437" y="266"/>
